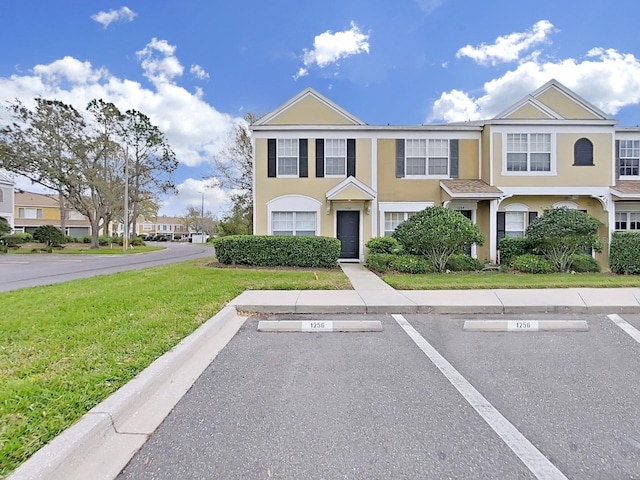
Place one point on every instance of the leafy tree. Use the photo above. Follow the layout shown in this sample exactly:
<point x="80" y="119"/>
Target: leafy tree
<point x="4" y="227"/>
<point x="234" y="170"/>
<point x="562" y="232"/>
<point x="202" y="222"/>
<point x="237" y="222"/>
<point x="437" y="233"/>
<point x="49" y="234"/>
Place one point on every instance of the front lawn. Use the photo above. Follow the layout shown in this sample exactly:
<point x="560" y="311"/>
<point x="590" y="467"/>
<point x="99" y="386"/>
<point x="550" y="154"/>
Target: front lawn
<point x="79" y="249"/>
<point x="66" y="347"/>
<point x="486" y="280"/>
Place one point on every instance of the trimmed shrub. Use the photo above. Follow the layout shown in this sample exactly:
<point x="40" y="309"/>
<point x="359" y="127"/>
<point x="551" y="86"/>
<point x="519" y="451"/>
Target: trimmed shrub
<point x="4" y="249"/>
<point x="460" y="262"/>
<point x="623" y="253"/>
<point x="512" y="247"/>
<point x="412" y="264"/>
<point x="584" y="264"/>
<point x="383" y="245"/>
<point x="380" y="262"/>
<point x="16" y="239"/>
<point x="49" y="234"/>
<point x="529" y="263"/>
<point x="278" y="251"/>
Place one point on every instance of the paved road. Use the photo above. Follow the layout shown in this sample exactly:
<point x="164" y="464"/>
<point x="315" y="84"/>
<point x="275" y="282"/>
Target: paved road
<point x="376" y="406"/>
<point x="19" y="271"/>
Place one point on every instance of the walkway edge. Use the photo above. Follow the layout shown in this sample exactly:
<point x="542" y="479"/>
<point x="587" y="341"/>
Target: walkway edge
<point x="103" y="441"/>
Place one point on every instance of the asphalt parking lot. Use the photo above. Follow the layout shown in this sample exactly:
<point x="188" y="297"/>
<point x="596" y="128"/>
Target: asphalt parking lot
<point x="375" y="405"/>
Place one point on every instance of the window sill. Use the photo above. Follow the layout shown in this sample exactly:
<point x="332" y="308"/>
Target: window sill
<point x="427" y="177"/>
<point x="529" y="174"/>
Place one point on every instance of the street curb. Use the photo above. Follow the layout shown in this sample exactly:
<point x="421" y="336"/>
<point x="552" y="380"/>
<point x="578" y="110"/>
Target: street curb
<point x="103" y="441"/>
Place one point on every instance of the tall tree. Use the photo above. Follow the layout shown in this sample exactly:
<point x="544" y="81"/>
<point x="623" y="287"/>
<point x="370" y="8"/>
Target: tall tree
<point x="202" y="222"/>
<point x="234" y="170"/>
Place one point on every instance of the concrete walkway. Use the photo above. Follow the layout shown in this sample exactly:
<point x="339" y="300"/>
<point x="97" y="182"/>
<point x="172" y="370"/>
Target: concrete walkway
<point x="372" y="295"/>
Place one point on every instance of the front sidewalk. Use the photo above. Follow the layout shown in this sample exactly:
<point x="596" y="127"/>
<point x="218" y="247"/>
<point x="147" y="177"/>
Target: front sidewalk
<point x="372" y="295"/>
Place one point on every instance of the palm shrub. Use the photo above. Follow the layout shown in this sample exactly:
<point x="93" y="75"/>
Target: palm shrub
<point x="436" y="233"/>
<point x="560" y="233"/>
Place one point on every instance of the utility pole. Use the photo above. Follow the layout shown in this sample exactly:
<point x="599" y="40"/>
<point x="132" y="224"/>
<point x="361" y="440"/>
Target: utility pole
<point x="125" y="233"/>
<point x="202" y="216"/>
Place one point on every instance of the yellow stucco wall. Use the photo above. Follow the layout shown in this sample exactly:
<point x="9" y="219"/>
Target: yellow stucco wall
<point x="559" y="102"/>
<point x="600" y="174"/>
<point x="468" y="163"/>
<point x="392" y="189"/>
<point x="486" y="155"/>
<point x="309" y="111"/>
<point x="482" y="220"/>
<point x="528" y="112"/>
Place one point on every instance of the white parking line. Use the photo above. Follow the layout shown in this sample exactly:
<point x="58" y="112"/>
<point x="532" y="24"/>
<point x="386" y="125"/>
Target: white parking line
<point x="625" y="326"/>
<point x="535" y="461"/>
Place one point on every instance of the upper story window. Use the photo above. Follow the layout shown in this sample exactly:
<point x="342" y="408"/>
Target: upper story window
<point x="287" y="157"/>
<point x="30" y="213"/>
<point x="426" y="157"/>
<point x="583" y="152"/>
<point x="528" y="152"/>
<point x="629" y="158"/>
<point x="335" y="152"/>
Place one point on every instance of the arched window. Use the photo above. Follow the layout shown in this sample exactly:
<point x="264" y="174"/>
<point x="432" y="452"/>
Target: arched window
<point x="583" y="152"/>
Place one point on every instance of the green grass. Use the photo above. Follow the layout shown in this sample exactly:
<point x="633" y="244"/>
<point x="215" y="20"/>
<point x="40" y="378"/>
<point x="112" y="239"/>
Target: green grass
<point x="484" y="280"/>
<point x="66" y="347"/>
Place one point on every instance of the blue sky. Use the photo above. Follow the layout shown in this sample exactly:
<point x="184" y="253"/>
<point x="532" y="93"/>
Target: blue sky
<point x="196" y="67"/>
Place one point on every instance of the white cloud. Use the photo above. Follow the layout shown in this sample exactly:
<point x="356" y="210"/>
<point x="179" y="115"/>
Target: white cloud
<point x="607" y="78"/>
<point x="508" y="48"/>
<point x="198" y="72"/>
<point x="158" y="61"/>
<point x="329" y="47"/>
<point x="194" y="128"/>
<point x="190" y="194"/>
<point x="428" y="6"/>
<point x="124" y="14"/>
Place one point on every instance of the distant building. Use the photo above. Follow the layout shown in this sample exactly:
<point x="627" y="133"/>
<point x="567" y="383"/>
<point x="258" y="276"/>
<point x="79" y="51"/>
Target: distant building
<point x="6" y="198"/>
<point x="32" y="210"/>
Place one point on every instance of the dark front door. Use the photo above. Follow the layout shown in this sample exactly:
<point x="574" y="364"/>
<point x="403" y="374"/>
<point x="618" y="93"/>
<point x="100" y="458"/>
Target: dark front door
<point x="349" y="233"/>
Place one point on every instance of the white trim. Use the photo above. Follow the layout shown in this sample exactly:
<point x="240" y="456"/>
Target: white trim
<point x="516" y="207"/>
<point x="348" y="131"/>
<point x="559" y="191"/>
<point x="528" y="173"/>
<point x="374" y="184"/>
<point x="254" y="178"/>
<point x="308" y="92"/>
<point x="368" y="191"/>
<point x="293" y="203"/>
<point x="533" y="102"/>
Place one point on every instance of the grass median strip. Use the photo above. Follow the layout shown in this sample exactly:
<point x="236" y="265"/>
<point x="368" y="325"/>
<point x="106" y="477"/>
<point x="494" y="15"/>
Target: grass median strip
<point x="491" y="280"/>
<point x="68" y="346"/>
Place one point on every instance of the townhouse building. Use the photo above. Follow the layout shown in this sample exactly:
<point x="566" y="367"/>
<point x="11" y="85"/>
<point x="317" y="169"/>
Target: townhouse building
<point x="319" y="170"/>
<point x="33" y="210"/>
<point x="6" y="199"/>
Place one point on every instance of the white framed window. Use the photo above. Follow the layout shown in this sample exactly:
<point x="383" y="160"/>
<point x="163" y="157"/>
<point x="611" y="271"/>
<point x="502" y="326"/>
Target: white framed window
<point x="529" y="152"/>
<point x="293" y="223"/>
<point x="627" y="221"/>
<point x="287" y="157"/>
<point x="335" y="157"/>
<point x="515" y="224"/>
<point x="393" y="219"/>
<point x="629" y="154"/>
<point x="146" y="227"/>
<point x="30" y="213"/>
<point x="426" y="157"/>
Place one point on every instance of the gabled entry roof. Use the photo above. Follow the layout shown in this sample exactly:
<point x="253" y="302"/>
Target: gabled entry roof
<point x="351" y="189"/>
<point x="461" y="188"/>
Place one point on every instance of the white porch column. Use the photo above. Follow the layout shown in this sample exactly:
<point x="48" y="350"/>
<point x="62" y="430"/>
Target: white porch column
<point x="493" y="229"/>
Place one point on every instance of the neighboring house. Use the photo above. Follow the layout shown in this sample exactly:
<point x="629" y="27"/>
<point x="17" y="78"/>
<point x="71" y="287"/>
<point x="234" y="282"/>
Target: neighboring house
<point x="173" y="227"/>
<point x="6" y="199"/>
<point x="319" y="170"/>
<point x="33" y="210"/>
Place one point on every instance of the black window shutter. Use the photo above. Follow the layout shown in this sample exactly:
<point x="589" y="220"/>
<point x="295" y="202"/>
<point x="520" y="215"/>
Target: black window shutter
<point x="501" y="227"/>
<point x="271" y="157"/>
<point x="319" y="157"/>
<point x="351" y="157"/>
<point x="304" y="157"/>
<point x="400" y="158"/>
<point x="617" y="159"/>
<point x="532" y="217"/>
<point x="453" y="159"/>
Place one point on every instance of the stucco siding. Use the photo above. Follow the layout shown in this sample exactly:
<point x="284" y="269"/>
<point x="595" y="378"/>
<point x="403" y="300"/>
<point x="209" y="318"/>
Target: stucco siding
<point x="309" y="111"/>
<point x="565" y="106"/>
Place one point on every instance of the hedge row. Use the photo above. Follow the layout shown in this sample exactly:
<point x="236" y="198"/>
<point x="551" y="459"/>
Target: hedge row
<point x="623" y="255"/>
<point x="274" y="251"/>
<point x="405" y="263"/>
